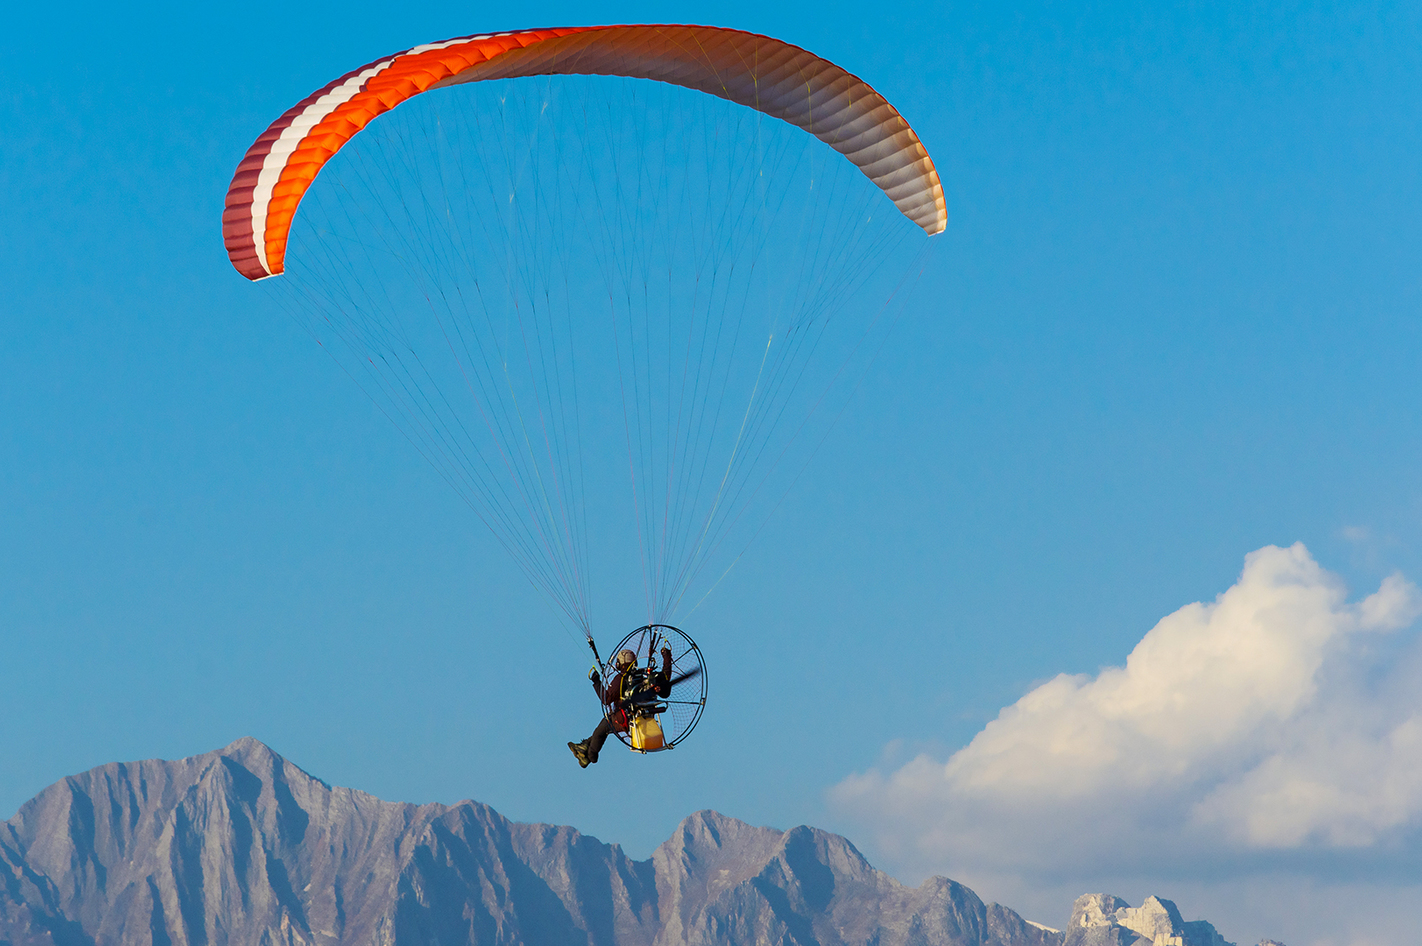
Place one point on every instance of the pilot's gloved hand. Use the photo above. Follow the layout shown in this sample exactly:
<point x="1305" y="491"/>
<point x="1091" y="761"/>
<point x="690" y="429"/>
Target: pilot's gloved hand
<point x="666" y="657"/>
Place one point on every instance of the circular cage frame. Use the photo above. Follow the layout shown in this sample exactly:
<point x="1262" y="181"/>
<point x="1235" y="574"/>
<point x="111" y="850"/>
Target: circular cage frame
<point x="686" y="658"/>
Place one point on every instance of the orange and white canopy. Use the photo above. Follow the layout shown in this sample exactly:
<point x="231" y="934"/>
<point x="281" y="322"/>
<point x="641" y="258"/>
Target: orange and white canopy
<point x="766" y="74"/>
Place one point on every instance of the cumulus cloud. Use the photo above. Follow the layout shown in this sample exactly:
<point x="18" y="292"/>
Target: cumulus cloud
<point x="1279" y="720"/>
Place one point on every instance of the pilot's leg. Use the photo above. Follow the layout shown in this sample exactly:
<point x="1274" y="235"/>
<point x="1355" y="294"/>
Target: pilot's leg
<point x="599" y="736"/>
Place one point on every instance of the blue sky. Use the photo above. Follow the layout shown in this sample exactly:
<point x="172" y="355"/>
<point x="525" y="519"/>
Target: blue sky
<point x="1173" y="321"/>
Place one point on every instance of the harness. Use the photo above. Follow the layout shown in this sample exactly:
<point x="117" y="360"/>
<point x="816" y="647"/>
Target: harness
<point x="636" y="707"/>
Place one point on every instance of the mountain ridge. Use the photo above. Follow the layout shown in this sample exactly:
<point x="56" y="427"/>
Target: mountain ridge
<point x="240" y="846"/>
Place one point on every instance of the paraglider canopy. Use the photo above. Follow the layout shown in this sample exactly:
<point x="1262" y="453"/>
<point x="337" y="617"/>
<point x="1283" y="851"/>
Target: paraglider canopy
<point x="766" y="74"/>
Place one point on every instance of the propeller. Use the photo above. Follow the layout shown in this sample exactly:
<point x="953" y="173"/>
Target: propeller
<point x="683" y="676"/>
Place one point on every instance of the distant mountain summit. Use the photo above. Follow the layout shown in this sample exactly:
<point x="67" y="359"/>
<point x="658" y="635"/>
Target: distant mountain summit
<point x="239" y="847"/>
<point x="1099" y="919"/>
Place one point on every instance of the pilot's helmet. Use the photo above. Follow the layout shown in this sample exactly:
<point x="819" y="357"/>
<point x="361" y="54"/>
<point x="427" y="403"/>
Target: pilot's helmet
<point x="624" y="659"/>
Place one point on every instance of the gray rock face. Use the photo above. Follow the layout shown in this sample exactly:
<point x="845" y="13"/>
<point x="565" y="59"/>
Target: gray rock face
<point x="1099" y="919"/>
<point x="241" y="848"/>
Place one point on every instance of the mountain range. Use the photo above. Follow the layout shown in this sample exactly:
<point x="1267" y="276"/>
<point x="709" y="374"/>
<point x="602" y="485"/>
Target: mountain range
<point x="239" y="847"/>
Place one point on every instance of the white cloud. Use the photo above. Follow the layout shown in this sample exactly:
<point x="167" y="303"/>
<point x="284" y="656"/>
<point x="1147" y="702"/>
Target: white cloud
<point x="1279" y="721"/>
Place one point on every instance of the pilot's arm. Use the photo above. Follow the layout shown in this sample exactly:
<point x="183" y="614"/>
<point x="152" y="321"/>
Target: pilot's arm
<point x="662" y="682"/>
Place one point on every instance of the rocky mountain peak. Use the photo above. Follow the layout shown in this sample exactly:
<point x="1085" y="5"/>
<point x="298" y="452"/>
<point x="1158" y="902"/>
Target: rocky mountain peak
<point x="240" y="847"/>
<point x="1096" y="909"/>
<point x="1099" y="919"/>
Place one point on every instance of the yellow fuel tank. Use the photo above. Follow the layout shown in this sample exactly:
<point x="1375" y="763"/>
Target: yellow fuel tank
<point x="646" y="734"/>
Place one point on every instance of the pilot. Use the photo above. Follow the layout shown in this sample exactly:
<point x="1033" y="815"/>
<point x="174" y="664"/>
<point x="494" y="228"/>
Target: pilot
<point x="624" y="688"/>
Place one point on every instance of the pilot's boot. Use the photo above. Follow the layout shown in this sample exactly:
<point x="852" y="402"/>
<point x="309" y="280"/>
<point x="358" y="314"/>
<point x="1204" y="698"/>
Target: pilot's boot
<point x="580" y="752"/>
